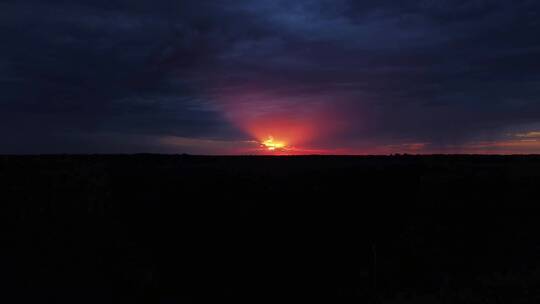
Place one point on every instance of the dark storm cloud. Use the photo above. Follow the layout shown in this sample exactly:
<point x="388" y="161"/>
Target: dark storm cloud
<point x="96" y="67"/>
<point x="80" y="75"/>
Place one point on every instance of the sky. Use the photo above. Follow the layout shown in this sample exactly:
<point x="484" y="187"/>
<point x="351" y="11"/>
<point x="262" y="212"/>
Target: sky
<point x="270" y="76"/>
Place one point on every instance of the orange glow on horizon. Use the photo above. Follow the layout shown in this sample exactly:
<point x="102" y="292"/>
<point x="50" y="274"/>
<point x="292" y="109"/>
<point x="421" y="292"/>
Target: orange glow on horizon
<point x="281" y="123"/>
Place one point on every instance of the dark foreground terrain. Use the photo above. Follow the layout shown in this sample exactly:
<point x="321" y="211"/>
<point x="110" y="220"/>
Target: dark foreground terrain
<point x="177" y="229"/>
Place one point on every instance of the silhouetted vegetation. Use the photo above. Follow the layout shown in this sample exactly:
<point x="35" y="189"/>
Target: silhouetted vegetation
<point x="172" y="229"/>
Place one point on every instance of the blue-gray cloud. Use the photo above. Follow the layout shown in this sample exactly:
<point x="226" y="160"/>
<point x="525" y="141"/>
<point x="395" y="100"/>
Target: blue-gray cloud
<point x="438" y="72"/>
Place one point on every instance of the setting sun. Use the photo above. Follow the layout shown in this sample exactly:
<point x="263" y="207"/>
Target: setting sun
<point x="272" y="144"/>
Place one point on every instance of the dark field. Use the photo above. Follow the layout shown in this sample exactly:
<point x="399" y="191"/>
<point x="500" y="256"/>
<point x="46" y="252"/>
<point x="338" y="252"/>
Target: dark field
<point x="175" y="229"/>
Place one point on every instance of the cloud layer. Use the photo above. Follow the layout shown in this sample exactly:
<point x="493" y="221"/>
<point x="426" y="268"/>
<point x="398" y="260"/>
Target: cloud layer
<point x="131" y="76"/>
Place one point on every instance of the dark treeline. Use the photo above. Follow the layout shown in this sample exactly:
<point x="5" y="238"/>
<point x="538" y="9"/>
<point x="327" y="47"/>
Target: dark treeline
<point x="174" y="229"/>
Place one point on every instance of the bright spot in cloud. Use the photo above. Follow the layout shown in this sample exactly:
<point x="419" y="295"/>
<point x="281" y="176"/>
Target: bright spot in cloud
<point x="271" y="144"/>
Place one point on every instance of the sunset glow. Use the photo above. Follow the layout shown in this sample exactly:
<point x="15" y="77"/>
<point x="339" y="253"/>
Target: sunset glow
<point x="279" y="123"/>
